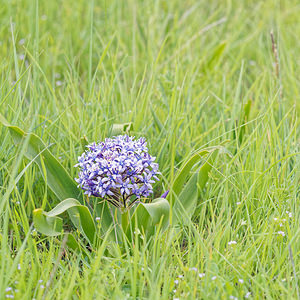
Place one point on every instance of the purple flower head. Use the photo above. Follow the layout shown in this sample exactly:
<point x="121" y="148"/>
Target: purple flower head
<point x="117" y="169"/>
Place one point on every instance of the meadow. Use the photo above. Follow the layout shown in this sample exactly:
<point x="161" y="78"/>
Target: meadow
<point x="188" y="75"/>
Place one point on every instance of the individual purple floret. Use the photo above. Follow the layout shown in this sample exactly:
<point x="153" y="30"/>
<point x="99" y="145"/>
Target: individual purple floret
<point x="120" y="169"/>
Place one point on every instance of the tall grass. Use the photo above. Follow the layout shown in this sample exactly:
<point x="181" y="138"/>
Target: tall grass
<point x="182" y="72"/>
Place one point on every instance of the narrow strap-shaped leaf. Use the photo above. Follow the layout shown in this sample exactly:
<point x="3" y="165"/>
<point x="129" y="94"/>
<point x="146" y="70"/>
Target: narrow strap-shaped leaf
<point x="58" y="180"/>
<point x="216" y="55"/>
<point x="79" y="215"/>
<point x="187" y="200"/>
<point x="247" y="109"/>
<point x="84" y="142"/>
<point x="157" y="122"/>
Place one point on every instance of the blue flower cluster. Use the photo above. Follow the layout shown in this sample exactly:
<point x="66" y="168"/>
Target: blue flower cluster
<point x="117" y="169"/>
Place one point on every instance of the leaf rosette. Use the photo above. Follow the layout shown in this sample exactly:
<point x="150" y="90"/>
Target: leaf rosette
<point x="121" y="173"/>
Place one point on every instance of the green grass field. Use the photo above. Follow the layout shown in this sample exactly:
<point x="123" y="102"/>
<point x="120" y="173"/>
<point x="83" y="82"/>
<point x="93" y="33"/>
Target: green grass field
<point x="182" y="72"/>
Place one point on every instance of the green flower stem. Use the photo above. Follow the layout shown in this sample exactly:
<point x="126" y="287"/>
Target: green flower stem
<point x="125" y="219"/>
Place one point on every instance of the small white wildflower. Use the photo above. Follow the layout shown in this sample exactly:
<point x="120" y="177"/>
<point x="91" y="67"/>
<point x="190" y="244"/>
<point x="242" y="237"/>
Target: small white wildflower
<point x="97" y="219"/>
<point x="248" y="294"/>
<point x="57" y="75"/>
<point x="175" y="298"/>
<point x="58" y="83"/>
<point x="10" y="296"/>
<point x="243" y="222"/>
<point x="283" y="280"/>
<point x="43" y="17"/>
<point x="290" y="215"/>
<point x="283" y="220"/>
<point x="180" y="276"/>
<point x="142" y="268"/>
<point x="8" y="289"/>
<point x="41" y="280"/>
<point x="194" y="269"/>
<point x="238" y="203"/>
<point x="214" y="278"/>
<point x="233" y="297"/>
<point x="201" y="275"/>
<point x="275" y="219"/>
<point x="232" y="243"/>
<point x="281" y="233"/>
<point x="21" y="56"/>
<point x="174" y="291"/>
<point x="176" y="281"/>
<point x="241" y="281"/>
<point x="19" y="267"/>
<point x="280" y="225"/>
<point x="22" y="42"/>
<point x="42" y="286"/>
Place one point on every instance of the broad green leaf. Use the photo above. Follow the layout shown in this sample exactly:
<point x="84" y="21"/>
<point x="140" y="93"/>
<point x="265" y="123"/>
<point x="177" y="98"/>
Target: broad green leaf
<point x="75" y="246"/>
<point x="51" y="226"/>
<point x="184" y="171"/>
<point x="205" y="169"/>
<point x="159" y="208"/>
<point x="123" y="128"/>
<point x="72" y="243"/>
<point x="58" y="180"/>
<point x="79" y="215"/>
<point x="148" y="215"/>
<point x="187" y="201"/>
